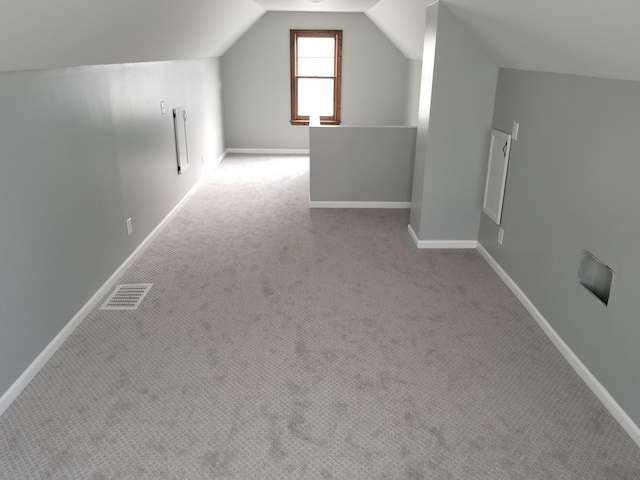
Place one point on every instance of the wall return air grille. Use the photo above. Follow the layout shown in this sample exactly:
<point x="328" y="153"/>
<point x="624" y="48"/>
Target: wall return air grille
<point x="126" y="297"/>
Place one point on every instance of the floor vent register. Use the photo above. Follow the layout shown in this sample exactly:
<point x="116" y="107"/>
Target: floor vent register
<point x="126" y="296"/>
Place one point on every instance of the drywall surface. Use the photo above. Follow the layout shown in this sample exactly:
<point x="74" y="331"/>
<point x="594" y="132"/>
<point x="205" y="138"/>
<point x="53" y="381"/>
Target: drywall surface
<point x="256" y="84"/>
<point x="41" y="34"/>
<point x="413" y="92"/>
<point x="424" y="114"/>
<point x="81" y="150"/>
<point x="572" y="185"/>
<point x="361" y="164"/>
<point x="403" y="22"/>
<point x="453" y="131"/>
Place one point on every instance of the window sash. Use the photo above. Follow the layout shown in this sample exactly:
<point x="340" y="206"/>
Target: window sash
<point x="334" y="118"/>
<point x="320" y="88"/>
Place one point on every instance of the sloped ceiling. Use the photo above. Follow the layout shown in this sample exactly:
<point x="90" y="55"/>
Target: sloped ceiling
<point x="583" y="37"/>
<point x="597" y="38"/>
<point x="403" y="22"/>
<point x="61" y="33"/>
<point x="317" y="5"/>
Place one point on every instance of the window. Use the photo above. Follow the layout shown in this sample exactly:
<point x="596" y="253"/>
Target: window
<point x="316" y="67"/>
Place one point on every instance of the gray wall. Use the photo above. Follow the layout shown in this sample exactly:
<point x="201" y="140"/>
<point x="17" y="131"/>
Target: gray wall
<point x="81" y="150"/>
<point x="414" y="76"/>
<point x="456" y="105"/>
<point x="424" y="115"/>
<point x="256" y="82"/>
<point x="573" y="184"/>
<point x="361" y="164"/>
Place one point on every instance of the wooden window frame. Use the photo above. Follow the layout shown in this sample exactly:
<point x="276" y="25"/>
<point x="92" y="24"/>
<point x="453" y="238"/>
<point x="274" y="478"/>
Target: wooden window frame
<point x="337" y="77"/>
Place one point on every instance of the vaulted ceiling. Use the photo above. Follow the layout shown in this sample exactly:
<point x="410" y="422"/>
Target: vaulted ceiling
<point x="61" y="33"/>
<point x="598" y="38"/>
<point x="584" y="37"/>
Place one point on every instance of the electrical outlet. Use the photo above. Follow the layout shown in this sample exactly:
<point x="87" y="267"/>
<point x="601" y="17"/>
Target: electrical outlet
<point x="162" y="109"/>
<point x="129" y="227"/>
<point x="500" y="235"/>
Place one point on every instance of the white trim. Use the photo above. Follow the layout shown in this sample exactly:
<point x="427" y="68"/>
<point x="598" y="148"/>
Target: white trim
<point x="496" y="214"/>
<point x="315" y="204"/>
<point x="269" y="151"/>
<point x="210" y="168"/>
<point x="592" y="382"/>
<point x="32" y="370"/>
<point x="413" y="235"/>
<point x="457" y="244"/>
<point x="436" y="244"/>
<point x="344" y="127"/>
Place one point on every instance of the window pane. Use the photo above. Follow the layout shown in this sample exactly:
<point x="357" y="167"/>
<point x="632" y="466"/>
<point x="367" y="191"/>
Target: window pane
<point x="315" y="67"/>
<point x="315" y="97"/>
<point x="316" y="47"/>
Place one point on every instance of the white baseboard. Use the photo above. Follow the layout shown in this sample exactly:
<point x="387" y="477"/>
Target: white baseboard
<point x="592" y="382"/>
<point x="32" y="370"/>
<point x="435" y="244"/>
<point x="315" y="204"/>
<point x="269" y="151"/>
<point x="210" y="168"/>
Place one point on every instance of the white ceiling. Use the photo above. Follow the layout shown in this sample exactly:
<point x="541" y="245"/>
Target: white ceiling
<point x="586" y="37"/>
<point x="599" y="38"/>
<point x="317" y="5"/>
<point x="403" y="22"/>
<point x="61" y="33"/>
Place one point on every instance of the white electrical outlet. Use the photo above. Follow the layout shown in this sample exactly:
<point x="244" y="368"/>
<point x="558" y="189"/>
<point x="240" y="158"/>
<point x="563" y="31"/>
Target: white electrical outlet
<point x="500" y="235"/>
<point x="162" y="109"/>
<point x="129" y="227"/>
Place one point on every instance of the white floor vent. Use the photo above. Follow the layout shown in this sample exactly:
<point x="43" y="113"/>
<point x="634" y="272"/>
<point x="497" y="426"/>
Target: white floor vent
<point x="126" y="297"/>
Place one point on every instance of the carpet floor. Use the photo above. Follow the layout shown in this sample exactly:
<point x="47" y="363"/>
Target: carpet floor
<point x="280" y="342"/>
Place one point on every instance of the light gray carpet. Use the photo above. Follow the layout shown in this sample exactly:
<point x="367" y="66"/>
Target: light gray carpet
<point x="283" y="343"/>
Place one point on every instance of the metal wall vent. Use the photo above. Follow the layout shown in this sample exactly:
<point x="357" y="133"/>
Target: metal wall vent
<point x="595" y="276"/>
<point x="126" y="297"/>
